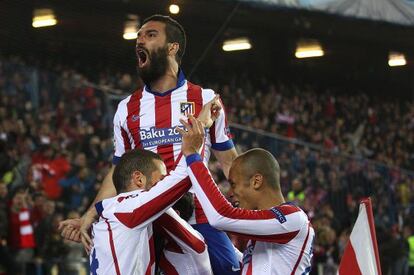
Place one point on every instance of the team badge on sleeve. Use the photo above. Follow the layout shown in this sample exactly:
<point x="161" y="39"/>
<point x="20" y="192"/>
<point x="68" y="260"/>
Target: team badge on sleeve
<point x="187" y="108"/>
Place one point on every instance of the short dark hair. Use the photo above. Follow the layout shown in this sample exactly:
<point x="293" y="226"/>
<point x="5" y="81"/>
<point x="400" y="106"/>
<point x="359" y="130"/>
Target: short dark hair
<point x="261" y="162"/>
<point x="134" y="160"/>
<point x="185" y="205"/>
<point x="174" y="31"/>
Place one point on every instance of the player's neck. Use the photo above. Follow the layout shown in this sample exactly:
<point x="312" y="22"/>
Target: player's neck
<point x="272" y="199"/>
<point x="166" y="82"/>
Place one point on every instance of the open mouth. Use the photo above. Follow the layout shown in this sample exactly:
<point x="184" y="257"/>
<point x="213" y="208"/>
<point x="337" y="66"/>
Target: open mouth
<point x="236" y="203"/>
<point x="142" y="57"/>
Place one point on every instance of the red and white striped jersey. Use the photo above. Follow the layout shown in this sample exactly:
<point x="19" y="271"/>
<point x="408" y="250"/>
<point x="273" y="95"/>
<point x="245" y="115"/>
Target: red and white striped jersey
<point x="123" y="235"/>
<point x="185" y="252"/>
<point x="147" y="120"/>
<point x="280" y="239"/>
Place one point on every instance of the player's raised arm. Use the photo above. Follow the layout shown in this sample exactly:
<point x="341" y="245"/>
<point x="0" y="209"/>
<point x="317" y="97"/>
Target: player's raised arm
<point x="266" y="217"/>
<point x="221" y="140"/>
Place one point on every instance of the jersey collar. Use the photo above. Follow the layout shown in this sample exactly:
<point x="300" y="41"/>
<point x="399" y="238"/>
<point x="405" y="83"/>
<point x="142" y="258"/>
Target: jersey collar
<point x="180" y="82"/>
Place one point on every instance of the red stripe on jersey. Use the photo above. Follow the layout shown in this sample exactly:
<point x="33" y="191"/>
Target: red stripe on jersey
<point x="151" y="208"/>
<point x="152" y="256"/>
<point x="133" y="117"/>
<point x="213" y="133"/>
<point x="222" y="206"/>
<point x="301" y="252"/>
<point x="171" y="244"/>
<point x="163" y="120"/>
<point x="167" y="267"/>
<point x="180" y="232"/>
<point x="194" y="94"/>
<point x="200" y="216"/>
<point x="282" y="238"/>
<point x="127" y="142"/>
<point x="287" y="209"/>
<point x="111" y="243"/>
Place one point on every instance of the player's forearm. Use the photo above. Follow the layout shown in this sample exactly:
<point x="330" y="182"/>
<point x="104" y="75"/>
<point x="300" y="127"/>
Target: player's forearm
<point x="226" y="159"/>
<point x="206" y="191"/>
<point x="107" y="190"/>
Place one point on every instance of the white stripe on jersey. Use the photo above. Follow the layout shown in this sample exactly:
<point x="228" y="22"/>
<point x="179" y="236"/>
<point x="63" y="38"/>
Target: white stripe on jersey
<point x="281" y="238"/>
<point x="176" y="115"/>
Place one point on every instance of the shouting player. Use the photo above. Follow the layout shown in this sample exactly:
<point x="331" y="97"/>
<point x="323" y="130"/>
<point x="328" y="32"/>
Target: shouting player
<point x="148" y="118"/>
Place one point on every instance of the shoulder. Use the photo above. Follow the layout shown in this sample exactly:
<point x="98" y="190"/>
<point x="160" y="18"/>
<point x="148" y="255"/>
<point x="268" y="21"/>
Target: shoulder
<point x="123" y="104"/>
<point x="290" y="210"/>
<point x="207" y="93"/>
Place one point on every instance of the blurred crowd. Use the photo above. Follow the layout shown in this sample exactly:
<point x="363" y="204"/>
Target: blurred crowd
<point x="351" y="123"/>
<point x="56" y="147"/>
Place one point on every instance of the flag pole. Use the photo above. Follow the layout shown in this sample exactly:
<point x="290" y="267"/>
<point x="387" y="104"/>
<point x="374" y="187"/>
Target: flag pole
<point x="361" y="256"/>
<point x="370" y="214"/>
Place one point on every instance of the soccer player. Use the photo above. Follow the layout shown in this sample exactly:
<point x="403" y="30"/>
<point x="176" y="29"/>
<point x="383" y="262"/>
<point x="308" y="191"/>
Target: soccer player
<point x="147" y="119"/>
<point x="280" y="234"/>
<point x="123" y="235"/>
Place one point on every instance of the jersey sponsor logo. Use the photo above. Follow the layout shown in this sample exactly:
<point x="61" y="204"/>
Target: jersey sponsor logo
<point x="136" y="117"/>
<point x="279" y="215"/>
<point x="187" y="108"/>
<point x="247" y="255"/>
<point x="159" y="136"/>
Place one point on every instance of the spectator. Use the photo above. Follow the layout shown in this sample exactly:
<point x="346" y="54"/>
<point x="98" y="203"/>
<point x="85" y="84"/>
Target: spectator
<point x="21" y="236"/>
<point x="297" y="194"/>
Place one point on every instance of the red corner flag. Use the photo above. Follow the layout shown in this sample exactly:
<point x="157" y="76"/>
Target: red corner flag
<point x="361" y="253"/>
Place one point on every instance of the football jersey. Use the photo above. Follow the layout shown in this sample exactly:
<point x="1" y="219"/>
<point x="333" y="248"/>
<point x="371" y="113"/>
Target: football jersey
<point x="123" y="235"/>
<point x="280" y="238"/>
<point x="185" y="252"/>
<point x="147" y="120"/>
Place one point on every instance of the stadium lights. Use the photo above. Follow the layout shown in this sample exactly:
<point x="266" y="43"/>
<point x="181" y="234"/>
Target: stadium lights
<point x="396" y="59"/>
<point x="131" y="27"/>
<point x="174" y="9"/>
<point x="309" y="48"/>
<point x="43" y="18"/>
<point x="237" y="44"/>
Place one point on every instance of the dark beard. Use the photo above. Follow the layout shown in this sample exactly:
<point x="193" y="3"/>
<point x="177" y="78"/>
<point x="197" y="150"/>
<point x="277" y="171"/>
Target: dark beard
<point x="157" y="67"/>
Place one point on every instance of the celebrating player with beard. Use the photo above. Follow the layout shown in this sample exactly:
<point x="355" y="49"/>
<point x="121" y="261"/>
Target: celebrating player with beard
<point x="148" y="118"/>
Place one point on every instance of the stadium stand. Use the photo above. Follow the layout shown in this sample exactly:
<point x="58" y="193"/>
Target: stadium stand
<point x="56" y="146"/>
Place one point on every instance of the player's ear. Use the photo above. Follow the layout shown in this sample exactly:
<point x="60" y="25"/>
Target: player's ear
<point x="257" y="181"/>
<point x="173" y="48"/>
<point x="138" y="179"/>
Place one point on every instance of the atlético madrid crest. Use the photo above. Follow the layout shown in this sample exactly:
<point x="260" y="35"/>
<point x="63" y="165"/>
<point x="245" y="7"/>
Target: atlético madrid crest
<point x="187" y="108"/>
